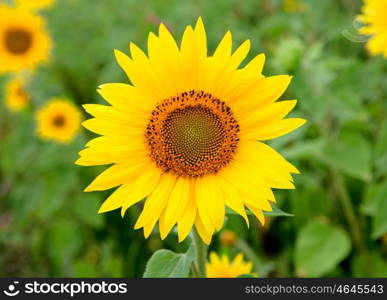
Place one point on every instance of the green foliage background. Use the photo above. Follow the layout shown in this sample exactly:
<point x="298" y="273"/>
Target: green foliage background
<point x="49" y="227"/>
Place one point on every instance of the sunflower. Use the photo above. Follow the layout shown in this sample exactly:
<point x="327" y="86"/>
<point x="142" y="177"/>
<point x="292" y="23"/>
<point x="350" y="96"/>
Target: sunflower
<point x="375" y="19"/>
<point x="187" y="134"/>
<point x="16" y="97"/>
<point x="34" y="4"/>
<point x="23" y="40"/>
<point x="221" y="267"/>
<point x="58" y="120"/>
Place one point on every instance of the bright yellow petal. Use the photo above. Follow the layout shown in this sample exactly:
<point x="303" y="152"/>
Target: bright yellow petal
<point x="177" y="202"/>
<point x="156" y="201"/>
<point x="275" y="130"/>
<point x="210" y="201"/>
<point x="142" y="187"/>
<point x="116" y="199"/>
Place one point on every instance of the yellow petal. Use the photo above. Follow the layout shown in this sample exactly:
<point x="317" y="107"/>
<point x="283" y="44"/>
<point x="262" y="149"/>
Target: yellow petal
<point x="210" y="201"/>
<point x="109" y="113"/>
<point x="143" y="186"/>
<point x="258" y="213"/>
<point x="149" y="227"/>
<point x="156" y="201"/>
<point x="205" y="231"/>
<point x="275" y="130"/>
<point x="267" y="114"/>
<point x="114" y="176"/>
<point x="265" y="91"/>
<point x="233" y="199"/>
<point x="128" y="99"/>
<point x="223" y="51"/>
<point x="177" y="202"/>
<point x="187" y="220"/>
<point x="255" y="66"/>
<point x="112" y="129"/>
<point x="116" y="199"/>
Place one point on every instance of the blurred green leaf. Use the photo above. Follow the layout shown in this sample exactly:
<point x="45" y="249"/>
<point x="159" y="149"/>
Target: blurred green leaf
<point x="84" y="268"/>
<point x="306" y="149"/>
<point x="379" y="224"/>
<point x="86" y="208"/>
<point x="381" y="150"/>
<point x="165" y="263"/>
<point x="371" y="264"/>
<point x="350" y="153"/>
<point x="374" y="195"/>
<point x="64" y="240"/>
<point x="319" y="248"/>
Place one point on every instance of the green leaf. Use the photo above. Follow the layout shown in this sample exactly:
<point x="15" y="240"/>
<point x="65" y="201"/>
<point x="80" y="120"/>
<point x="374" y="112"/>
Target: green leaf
<point x="305" y="149"/>
<point x="350" y="153"/>
<point x="379" y="224"/>
<point x="276" y="212"/>
<point x="320" y="247"/>
<point x="375" y="193"/>
<point x="371" y="264"/>
<point x="166" y="263"/>
<point x="381" y="150"/>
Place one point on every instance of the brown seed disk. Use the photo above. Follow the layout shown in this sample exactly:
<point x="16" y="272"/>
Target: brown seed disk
<point x="192" y="134"/>
<point x="18" y="41"/>
<point x="58" y="121"/>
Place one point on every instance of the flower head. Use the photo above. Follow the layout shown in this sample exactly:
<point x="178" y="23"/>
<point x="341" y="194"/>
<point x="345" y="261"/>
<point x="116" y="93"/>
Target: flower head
<point x="187" y="134"/>
<point x="58" y="120"/>
<point x="221" y="267"/>
<point x="16" y="96"/>
<point x="24" y="41"/>
<point x="375" y="19"/>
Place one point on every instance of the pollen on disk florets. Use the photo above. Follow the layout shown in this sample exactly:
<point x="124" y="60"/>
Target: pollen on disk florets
<point x="192" y="134"/>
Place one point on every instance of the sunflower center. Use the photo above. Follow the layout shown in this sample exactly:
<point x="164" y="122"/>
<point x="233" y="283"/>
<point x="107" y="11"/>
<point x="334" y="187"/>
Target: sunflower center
<point x="192" y="134"/>
<point x="58" y="121"/>
<point x="18" y="41"/>
<point x="21" y="92"/>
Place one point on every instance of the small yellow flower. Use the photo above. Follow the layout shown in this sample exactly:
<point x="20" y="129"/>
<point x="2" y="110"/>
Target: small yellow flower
<point x="59" y="120"/>
<point x="374" y="17"/>
<point x="34" y="4"/>
<point x="187" y="134"/>
<point x="221" y="267"/>
<point x="16" y="97"/>
<point x="24" y="41"/>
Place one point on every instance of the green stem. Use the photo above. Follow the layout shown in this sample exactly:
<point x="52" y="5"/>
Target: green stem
<point x="195" y="273"/>
<point x="349" y="211"/>
<point x="353" y="220"/>
<point x="201" y="255"/>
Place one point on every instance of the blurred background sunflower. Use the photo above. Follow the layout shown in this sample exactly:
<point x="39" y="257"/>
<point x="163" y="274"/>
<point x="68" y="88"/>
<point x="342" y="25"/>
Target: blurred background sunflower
<point x="337" y="224"/>
<point x="16" y="96"/>
<point x="24" y="41"/>
<point x="58" y="120"/>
